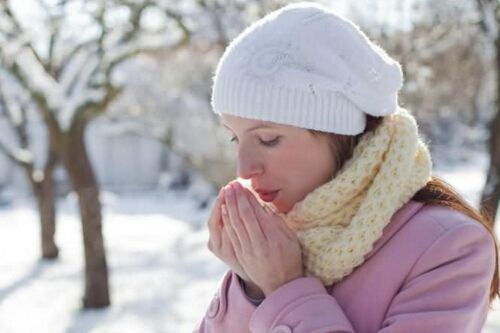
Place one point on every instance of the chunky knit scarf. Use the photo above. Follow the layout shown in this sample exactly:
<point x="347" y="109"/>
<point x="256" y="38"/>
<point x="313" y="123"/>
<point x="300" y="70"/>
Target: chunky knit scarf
<point x="338" y="222"/>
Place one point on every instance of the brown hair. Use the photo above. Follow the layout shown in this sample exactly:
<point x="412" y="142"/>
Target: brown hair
<point x="436" y="192"/>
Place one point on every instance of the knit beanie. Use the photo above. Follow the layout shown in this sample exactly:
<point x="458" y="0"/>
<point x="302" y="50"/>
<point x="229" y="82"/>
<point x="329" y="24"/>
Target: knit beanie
<point x="305" y="66"/>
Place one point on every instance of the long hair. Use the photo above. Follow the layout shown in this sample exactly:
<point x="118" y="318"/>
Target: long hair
<point x="435" y="192"/>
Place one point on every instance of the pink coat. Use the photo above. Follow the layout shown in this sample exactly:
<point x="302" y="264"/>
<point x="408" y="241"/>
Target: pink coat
<point x="429" y="272"/>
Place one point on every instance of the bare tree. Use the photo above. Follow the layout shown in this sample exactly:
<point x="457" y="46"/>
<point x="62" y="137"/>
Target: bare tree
<point x="72" y="79"/>
<point x="490" y="19"/>
<point x="41" y="179"/>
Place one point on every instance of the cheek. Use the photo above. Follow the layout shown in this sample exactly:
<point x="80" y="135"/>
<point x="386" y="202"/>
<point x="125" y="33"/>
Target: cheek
<point x="290" y="168"/>
<point x="311" y="167"/>
<point x="287" y="162"/>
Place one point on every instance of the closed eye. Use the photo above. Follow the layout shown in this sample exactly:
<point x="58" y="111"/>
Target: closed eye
<point x="269" y="143"/>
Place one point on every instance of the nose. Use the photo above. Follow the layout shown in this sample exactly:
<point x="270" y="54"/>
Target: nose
<point x="249" y="165"/>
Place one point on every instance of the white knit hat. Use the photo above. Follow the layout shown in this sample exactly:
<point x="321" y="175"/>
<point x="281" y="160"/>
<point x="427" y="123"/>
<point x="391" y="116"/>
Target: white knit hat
<point x="305" y="66"/>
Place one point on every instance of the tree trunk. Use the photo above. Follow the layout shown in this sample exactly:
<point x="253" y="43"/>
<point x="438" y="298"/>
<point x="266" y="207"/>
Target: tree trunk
<point x="45" y="194"/>
<point x="43" y="191"/>
<point x="84" y="183"/>
<point x="491" y="191"/>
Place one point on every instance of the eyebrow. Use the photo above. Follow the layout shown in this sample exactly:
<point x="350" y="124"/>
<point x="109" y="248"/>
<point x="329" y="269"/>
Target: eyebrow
<point x="253" y="128"/>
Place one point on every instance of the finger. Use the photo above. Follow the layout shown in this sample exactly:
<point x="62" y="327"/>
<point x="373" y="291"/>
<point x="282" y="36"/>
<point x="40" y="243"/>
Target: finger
<point x="264" y="213"/>
<point x="234" y="217"/>
<point x="261" y="214"/>
<point x="254" y="202"/>
<point x="228" y="227"/>
<point x="214" y="222"/>
<point x="286" y="229"/>
<point x="227" y="248"/>
<point x="247" y="213"/>
<point x="226" y="243"/>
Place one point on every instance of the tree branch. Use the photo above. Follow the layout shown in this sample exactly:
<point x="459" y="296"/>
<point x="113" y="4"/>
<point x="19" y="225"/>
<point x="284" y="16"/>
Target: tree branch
<point x="136" y="11"/>
<point x="222" y="39"/>
<point x="90" y="109"/>
<point x="37" y="96"/>
<point x="19" y="129"/>
<point x="489" y="17"/>
<point x="19" y="31"/>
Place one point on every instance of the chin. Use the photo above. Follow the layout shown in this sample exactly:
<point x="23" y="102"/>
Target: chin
<point x="281" y="207"/>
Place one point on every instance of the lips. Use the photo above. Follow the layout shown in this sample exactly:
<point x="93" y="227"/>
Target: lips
<point x="268" y="196"/>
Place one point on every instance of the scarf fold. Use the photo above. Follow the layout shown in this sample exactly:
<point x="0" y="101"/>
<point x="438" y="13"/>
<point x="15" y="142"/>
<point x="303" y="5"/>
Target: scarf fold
<point x="338" y="222"/>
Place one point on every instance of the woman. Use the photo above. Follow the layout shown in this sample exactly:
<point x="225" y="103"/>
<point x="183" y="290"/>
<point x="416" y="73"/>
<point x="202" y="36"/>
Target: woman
<point x="342" y="228"/>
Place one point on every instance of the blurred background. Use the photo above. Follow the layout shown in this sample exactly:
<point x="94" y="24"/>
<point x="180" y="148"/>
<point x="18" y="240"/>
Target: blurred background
<point x="111" y="158"/>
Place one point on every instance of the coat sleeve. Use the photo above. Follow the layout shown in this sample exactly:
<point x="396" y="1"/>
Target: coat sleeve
<point x="447" y="289"/>
<point x="300" y="306"/>
<point x="230" y="309"/>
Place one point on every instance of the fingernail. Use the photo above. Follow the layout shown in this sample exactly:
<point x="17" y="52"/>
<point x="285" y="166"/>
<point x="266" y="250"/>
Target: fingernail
<point x="223" y="209"/>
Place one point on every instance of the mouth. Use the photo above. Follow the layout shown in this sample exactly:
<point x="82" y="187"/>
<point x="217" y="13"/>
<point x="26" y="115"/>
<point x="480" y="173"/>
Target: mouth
<point x="268" y="196"/>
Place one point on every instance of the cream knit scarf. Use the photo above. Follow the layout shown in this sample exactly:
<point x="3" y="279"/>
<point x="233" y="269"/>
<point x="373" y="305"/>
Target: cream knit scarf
<point x="338" y="222"/>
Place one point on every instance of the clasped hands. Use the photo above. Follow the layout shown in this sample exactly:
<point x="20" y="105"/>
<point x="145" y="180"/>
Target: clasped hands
<point x="253" y="241"/>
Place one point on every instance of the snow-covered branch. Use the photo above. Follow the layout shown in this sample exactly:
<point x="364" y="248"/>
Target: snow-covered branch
<point x="490" y="17"/>
<point x="78" y="70"/>
<point x="13" y="112"/>
<point x="17" y="30"/>
<point x="136" y="13"/>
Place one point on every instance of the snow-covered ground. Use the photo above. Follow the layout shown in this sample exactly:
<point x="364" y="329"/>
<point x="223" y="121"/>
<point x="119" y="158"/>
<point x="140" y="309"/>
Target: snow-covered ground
<point x="162" y="276"/>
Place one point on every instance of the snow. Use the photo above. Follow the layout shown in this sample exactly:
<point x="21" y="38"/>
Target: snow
<point x="157" y="261"/>
<point x="162" y="276"/>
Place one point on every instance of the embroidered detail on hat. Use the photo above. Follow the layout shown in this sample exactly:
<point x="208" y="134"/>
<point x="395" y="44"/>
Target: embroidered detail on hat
<point x="375" y="76"/>
<point x="312" y="89"/>
<point x="348" y="87"/>
<point x="267" y="61"/>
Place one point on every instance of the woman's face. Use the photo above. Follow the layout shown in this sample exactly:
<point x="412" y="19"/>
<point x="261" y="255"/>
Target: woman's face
<point x="275" y="157"/>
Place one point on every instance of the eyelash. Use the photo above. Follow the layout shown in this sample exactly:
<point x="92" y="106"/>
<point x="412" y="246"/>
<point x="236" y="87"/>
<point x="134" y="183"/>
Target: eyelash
<point x="270" y="143"/>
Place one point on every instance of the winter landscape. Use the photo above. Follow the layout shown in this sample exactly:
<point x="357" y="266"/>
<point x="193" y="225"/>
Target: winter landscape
<point x="106" y="122"/>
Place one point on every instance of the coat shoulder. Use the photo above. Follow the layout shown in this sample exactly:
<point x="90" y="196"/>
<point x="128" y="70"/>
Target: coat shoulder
<point x="435" y="220"/>
<point x="438" y="231"/>
<point x="433" y="225"/>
